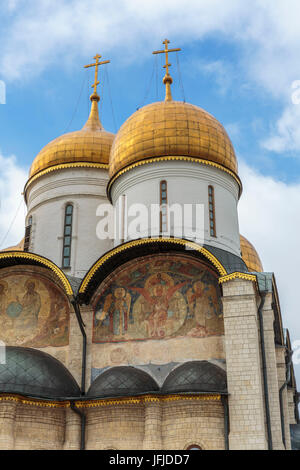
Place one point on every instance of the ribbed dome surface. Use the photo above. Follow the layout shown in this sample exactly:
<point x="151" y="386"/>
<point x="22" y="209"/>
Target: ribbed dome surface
<point x="92" y="144"/>
<point x="122" y="381"/>
<point x="196" y="376"/>
<point x="250" y="256"/>
<point x="31" y="372"/>
<point x="171" y="129"/>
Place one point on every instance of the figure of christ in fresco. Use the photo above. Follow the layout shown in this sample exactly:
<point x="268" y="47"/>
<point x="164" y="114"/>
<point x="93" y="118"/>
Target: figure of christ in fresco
<point x="116" y="308"/>
<point x="157" y="294"/>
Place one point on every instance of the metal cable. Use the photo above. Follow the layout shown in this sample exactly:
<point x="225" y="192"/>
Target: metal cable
<point x="180" y="78"/>
<point x="156" y="67"/>
<point x="11" y="225"/>
<point x="148" y="89"/>
<point x="76" y="107"/>
<point x="110" y="98"/>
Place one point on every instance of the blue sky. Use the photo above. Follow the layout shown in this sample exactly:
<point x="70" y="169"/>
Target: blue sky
<point x="239" y="60"/>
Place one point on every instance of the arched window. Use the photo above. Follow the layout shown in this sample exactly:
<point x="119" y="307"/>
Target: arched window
<point x="27" y="238"/>
<point x="212" y="212"/>
<point x="163" y="206"/>
<point x="67" y="236"/>
<point x="194" y="447"/>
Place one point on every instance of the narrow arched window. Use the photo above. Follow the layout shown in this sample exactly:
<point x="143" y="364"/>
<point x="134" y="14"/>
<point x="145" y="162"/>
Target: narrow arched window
<point x="27" y="238"/>
<point x="212" y="212"/>
<point x="163" y="206"/>
<point x="67" y="236"/>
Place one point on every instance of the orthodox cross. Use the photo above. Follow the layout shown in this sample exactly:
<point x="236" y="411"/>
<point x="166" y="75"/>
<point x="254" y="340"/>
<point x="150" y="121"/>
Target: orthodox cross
<point x="167" y="78"/>
<point x="96" y="65"/>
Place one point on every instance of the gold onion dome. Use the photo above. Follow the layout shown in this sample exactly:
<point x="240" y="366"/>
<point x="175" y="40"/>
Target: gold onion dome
<point x="92" y="145"/>
<point x="171" y="130"/>
<point x="250" y="256"/>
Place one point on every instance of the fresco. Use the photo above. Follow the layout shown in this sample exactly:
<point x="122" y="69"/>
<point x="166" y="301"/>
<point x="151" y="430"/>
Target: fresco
<point x="156" y="298"/>
<point x="33" y="312"/>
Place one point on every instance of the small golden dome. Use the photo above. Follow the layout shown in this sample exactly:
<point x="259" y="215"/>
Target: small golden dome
<point x="92" y="144"/>
<point x="171" y="129"/>
<point x="250" y="256"/>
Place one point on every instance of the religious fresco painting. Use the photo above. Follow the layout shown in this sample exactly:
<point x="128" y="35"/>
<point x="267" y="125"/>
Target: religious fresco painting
<point x="157" y="298"/>
<point x="33" y="312"/>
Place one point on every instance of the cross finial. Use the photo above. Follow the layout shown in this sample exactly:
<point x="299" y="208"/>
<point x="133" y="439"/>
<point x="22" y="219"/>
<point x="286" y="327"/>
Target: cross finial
<point x="95" y="96"/>
<point x="167" y="78"/>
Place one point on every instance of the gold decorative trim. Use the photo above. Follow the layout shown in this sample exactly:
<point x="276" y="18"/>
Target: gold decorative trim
<point x="170" y="158"/>
<point x="34" y="402"/>
<point x="230" y="277"/>
<point x="110" y="401"/>
<point x="146" y="399"/>
<point x="63" y="166"/>
<point x="146" y="241"/>
<point x="44" y="261"/>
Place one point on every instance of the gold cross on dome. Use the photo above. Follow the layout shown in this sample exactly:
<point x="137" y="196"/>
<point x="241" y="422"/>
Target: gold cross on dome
<point x="96" y="65"/>
<point x="167" y="79"/>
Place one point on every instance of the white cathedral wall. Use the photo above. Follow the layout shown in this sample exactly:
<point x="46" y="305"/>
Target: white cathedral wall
<point x="187" y="184"/>
<point x="47" y="198"/>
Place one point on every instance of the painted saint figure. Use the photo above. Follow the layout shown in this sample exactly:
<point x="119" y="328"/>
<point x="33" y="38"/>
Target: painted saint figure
<point x="31" y="304"/>
<point x="116" y="309"/>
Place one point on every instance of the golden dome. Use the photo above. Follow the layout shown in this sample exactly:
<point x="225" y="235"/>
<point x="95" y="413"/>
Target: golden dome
<point x="91" y="145"/>
<point x="250" y="256"/>
<point x="174" y="130"/>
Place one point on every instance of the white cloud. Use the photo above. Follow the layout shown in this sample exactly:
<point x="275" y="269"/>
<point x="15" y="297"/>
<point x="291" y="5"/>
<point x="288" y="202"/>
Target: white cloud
<point x="37" y="34"/>
<point x="12" y="180"/>
<point x="269" y="217"/>
<point x="285" y="135"/>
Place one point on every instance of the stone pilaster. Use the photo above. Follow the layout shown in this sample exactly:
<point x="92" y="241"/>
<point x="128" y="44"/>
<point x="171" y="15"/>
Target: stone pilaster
<point x="292" y="416"/>
<point x="268" y="319"/>
<point x="246" y="406"/>
<point x="281" y="368"/>
<point x="153" y="423"/>
<point x="72" y="430"/>
<point x="7" y="424"/>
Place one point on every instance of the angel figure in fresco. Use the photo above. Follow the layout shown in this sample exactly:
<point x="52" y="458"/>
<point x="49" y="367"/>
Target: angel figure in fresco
<point x="116" y="308"/>
<point x="157" y="293"/>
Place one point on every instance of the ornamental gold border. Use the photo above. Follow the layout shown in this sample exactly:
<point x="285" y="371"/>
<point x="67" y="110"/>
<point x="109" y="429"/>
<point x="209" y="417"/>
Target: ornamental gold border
<point x="146" y="399"/>
<point x="43" y="261"/>
<point x="110" y="402"/>
<point x="34" y="402"/>
<point x="176" y="241"/>
<point x="63" y="166"/>
<point x="173" y="158"/>
<point x="237" y="275"/>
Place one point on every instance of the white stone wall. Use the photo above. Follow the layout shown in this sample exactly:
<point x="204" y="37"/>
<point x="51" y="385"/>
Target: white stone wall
<point x="187" y="184"/>
<point x="47" y="198"/>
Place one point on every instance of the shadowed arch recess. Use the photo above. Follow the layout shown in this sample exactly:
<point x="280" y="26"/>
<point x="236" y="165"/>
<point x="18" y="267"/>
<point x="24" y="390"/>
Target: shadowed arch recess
<point x="135" y="249"/>
<point x="14" y="258"/>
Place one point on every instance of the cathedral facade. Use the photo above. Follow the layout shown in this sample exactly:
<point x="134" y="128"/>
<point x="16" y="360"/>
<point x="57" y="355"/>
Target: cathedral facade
<point x="119" y="334"/>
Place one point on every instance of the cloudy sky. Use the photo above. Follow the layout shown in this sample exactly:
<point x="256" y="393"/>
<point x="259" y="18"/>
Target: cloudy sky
<point x="240" y="61"/>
